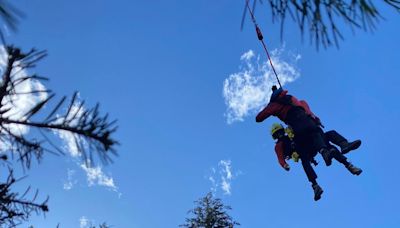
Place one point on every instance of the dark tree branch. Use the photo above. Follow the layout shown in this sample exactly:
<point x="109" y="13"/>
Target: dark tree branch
<point x="321" y="16"/>
<point x="91" y="131"/>
<point x="15" y="208"/>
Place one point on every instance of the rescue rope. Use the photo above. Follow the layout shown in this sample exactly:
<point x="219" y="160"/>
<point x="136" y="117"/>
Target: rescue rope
<point x="261" y="38"/>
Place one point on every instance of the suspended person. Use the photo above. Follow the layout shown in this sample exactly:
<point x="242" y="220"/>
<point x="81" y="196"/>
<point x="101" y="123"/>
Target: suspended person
<point x="286" y="148"/>
<point x="298" y="115"/>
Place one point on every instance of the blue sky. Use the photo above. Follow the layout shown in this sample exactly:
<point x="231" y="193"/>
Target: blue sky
<point x="159" y="68"/>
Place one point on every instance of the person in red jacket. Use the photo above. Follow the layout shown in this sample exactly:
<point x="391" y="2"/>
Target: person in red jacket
<point x="298" y="115"/>
<point x="285" y="148"/>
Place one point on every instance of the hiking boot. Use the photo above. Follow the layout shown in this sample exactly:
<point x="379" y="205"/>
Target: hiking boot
<point x="326" y="155"/>
<point x="317" y="191"/>
<point x="351" y="146"/>
<point x="353" y="169"/>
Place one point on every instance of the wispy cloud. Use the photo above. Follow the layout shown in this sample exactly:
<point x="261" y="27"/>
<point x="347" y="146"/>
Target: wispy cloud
<point x="84" y="222"/>
<point x="25" y="101"/>
<point x="69" y="184"/>
<point x="214" y="182"/>
<point x="70" y="145"/>
<point x="21" y="103"/>
<point x="226" y="175"/>
<point x="248" y="90"/>
<point x="95" y="176"/>
<point x="222" y="177"/>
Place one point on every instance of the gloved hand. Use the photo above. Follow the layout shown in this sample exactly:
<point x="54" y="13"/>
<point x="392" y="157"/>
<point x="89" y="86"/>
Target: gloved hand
<point x="286" y="167"/>
<point x="295" y="156"/>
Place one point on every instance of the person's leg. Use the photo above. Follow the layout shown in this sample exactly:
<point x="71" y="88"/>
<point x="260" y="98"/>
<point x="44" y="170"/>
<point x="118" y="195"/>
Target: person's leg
<point x="337" y="139"/>
<point x="320" y="144"/>
<point x="311" y="175"/>
<point x="338" y="156"/>
<point x="315" y="143"/>
<point x="308" y="169"/>
<point x="306" y="131"/>
<point x="342" y="159"/>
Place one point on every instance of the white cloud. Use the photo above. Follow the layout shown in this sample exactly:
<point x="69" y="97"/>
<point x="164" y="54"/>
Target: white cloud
<point x="69" y="184"/>
<point x="226" y="175"/>
<point x="69" y="138"/>
<point x="247" y="55"/>
<point x="20" y="104"/>
<point x="213" y="184"/>
<point x="95" y="176"/>
<point x="84" y="222"/>
<point x="223" y="178"/>
<point x="212" y="179"/>
<point x="248" y="90"/>
<point x="70" y="144"/>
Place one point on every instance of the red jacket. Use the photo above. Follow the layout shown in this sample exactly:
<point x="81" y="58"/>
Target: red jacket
<point x="279" y="150"/>
<point x="280" y="110"/>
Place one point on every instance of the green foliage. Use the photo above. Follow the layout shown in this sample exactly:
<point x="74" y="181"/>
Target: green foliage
<point x="210" y="212"/>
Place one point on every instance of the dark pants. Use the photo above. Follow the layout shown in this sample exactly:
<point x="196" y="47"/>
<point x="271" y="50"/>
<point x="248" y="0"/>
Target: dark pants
<point x="308" y="151"/>
<point x="310" y="139"/>
<point x="335" y="153"/>
<point x="308" y="169"/>
<point x="307" y="132"/>
<point x="307" y="157"/>
<point x="335" y="138"/>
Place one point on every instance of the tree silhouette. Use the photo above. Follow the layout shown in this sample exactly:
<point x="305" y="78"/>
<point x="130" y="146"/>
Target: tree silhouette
<point x="16" y="208"/>
<point x="210" y="212"/>
<point x="322" y="17"/>
<point x="26" y="134"/>
<point x="90" y="131"/>
<point x="103" y="225"/>
<point x="89" y="225"/>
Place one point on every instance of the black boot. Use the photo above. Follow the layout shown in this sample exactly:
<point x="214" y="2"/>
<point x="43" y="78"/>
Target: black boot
<point x="326" y="155"/>
<point x="353" y="169"/>
<point x="348" y="146"/>
<point x="337" y="139"/>
<point x="317" y="191"/>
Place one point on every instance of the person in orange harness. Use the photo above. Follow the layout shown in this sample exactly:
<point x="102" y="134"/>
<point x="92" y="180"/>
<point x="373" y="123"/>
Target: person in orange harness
<point x="298" y="115"/>
<point x="285" y="149"/>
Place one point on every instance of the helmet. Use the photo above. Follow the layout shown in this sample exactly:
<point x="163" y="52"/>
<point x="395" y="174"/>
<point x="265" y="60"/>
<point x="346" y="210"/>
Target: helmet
<point x="275" y="128"/>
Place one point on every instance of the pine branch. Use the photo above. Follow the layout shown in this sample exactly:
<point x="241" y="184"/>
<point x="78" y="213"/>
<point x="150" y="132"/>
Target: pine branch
<point x="210" y="212"/>
<point x="91" y="131"/>
<point x="321" y="17"/>
<point x="14" y="208"/>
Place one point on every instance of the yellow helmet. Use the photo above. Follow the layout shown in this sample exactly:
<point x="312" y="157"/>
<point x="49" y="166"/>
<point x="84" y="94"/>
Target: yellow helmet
<point x="275" y="128"/>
